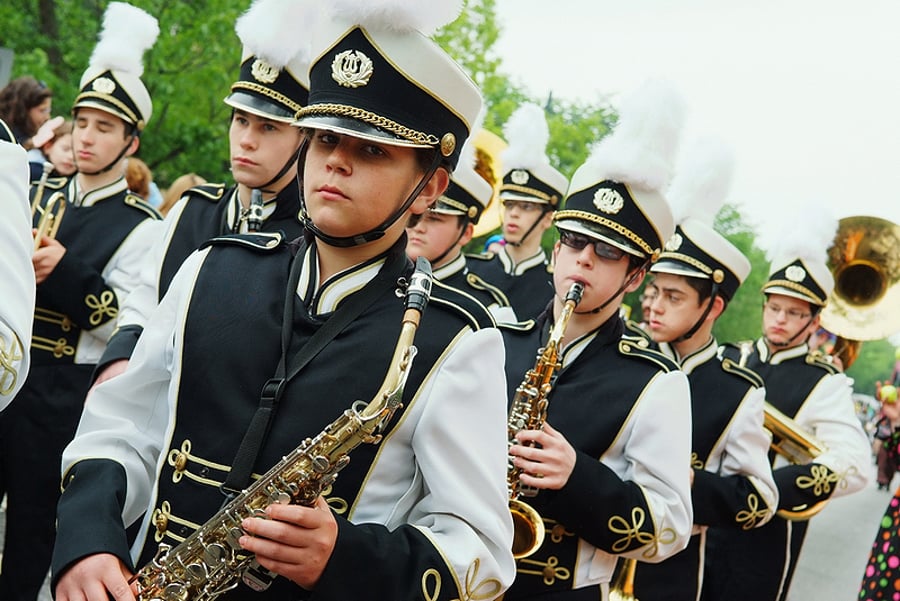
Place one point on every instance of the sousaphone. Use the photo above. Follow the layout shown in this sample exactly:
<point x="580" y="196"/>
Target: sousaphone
<point x="488" y="147"/>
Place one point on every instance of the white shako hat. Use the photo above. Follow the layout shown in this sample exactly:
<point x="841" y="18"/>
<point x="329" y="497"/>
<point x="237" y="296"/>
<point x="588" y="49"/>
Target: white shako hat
<point x="376" y="75"/>
<point x="698" y="190"/>
<point x="617" y="194"/>
<point x="528" y="174"/>
<point x="112" y="81"/>
<point x="273" y="81"/>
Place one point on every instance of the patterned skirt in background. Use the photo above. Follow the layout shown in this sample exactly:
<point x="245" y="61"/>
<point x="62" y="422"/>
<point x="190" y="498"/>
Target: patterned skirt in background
<point x="882" y="577"/>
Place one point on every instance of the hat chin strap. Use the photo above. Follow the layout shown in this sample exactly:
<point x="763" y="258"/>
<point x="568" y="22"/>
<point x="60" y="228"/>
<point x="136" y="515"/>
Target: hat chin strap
<point x="375" y="233"/>
<point x="624" y="285"/>
<point x="531" y="229"/>
<point x="440" y="257"/>
<point x="292" y="160"/>
<point x="115" y="160"/>
<point x="712" y="297"/>
<point x="790" y="341"/>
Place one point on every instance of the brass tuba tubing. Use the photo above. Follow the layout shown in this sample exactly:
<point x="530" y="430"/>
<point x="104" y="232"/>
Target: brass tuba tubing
<point x="528" y="411"/>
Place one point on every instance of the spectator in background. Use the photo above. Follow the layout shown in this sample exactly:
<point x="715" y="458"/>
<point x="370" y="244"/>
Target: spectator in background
<point x="58" y="151"/>
<point x="25" y="105"/>
<point x="174" y="192"/>
<point x="887" y="435"/>
<point x="140" y="181"/>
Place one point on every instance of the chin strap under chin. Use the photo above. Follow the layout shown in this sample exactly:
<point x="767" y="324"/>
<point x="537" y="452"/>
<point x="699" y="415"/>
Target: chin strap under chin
<point x="712" y="297"/>
<point x="544" y="211"/>
<point x="115" y="161"/>
<point x="439" y="258"/>
<point x="377" y="232"/>
<point x="790" y="341"/>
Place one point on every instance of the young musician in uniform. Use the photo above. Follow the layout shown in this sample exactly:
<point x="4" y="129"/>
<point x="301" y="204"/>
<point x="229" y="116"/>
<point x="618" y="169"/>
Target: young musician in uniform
<point x="693" y="281"/>
<point x="446" y="227"/>
<point x="812" y="392"/>
<point x="273" y="84"/>
<point x="612" y="460"/>
<point x="16" y="273"/>
<point x="82" y="274"/>
<point x="420" y="515"/>
<point x="530" y="192"/>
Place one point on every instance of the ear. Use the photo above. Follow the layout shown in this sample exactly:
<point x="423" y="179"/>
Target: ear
<point x="636" y="280"/>
<point x="466" y="235"/>
<point x="133" y="146"/>
<point x="547" y="221"/>
<point x="432" y="190"/>
<point x="717" y="308"/>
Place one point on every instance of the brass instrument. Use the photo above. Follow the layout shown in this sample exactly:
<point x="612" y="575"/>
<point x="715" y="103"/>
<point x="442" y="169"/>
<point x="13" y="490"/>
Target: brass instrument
<point x="528" y="412"/>
<point x="39" y="191"/>
<point x="210" y="561"/>
<point x="51" y="216"/>
<point x="865" y="261"/>
<point x="622" y="588"/>
<point x="488" y="147"/>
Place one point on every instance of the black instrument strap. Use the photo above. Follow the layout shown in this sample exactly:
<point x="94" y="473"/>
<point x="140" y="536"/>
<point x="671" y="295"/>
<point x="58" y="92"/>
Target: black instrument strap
<point x="273" y="389"/>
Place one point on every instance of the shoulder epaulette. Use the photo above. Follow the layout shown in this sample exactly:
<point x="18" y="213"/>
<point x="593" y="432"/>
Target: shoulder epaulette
<point x="736" y="348"/>
<point x="634" y="330"/>
<point x="479" y="284"/>
<point x="823" y="361"/>
<point x="640" y="348"/>
<point x="211" y="192"/>
<point x="133" y="200"/>
<point x="461" y="303"/>
<point x="258" y="241"/>
<point x="517" y="326"/>
<point x="748" y="374"/>
<point x="485" y="256"/>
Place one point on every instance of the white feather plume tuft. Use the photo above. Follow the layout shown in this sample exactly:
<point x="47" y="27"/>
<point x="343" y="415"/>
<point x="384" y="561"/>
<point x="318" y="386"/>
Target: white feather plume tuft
<point x="641" y="149"/>
<point x="702" y="180"/>
<point x="527" y="135"/>
<point x="127" y="33"/>
<point x="425" y="16"/>
<point x="805" y="230"/>
<point x="277" y="30"/>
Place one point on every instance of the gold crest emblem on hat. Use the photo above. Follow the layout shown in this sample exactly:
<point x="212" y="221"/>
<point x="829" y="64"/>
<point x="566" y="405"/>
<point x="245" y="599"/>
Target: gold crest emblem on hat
<point x="519" y="177"/>
<point x="608" y="201"/>
<point x="104" y="85"/>
<point x="674" y="243"/>
<point x="351" y="69"/>
<point x="795" y="273"/>
<point x="263" y="71"/>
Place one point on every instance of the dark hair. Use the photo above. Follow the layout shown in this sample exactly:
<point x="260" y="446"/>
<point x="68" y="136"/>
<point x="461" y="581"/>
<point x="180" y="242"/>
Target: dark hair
<point x="17" y="98"/>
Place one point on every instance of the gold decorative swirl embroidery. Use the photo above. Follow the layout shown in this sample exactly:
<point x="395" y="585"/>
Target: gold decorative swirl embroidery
<point x="180" y="459"/>
<point x="550" y="570"/>
<point x="750" y="517"/>
<point x="632" y="532"/>
<point x="102" y="306"/>
<point x="695" y="461"/>
<point x="485" y="590"/>
<point x="819" y="480"/>
<point x="163" y="519"/>
<point x="557" y="531"/>
<point x="9" y="373"/>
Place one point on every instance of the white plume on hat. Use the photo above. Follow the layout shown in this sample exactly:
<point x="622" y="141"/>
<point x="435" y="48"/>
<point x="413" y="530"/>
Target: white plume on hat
<point x="702" y="180"/>
<point x="806" y="231"/>
<point x="527" y="135"/>
<point x="273" y="30"/>
<point x="398" y="15"/>
<point x="641" y="149"/>
<point x="127" y="33"/>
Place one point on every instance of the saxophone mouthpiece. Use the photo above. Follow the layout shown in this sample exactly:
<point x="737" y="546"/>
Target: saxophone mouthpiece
<point x="419" y="290"/>
<point x="575" y="292"/>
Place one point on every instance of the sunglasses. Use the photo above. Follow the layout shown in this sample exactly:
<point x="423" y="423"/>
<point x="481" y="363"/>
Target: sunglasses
<point x="602" y="249"/>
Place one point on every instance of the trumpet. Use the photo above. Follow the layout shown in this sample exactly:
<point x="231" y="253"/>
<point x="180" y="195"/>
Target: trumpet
<point x="528" y="412"/>
<point x="622" y="588"/>
<point x="39" y="191"/>
<point x="51" y="216"/>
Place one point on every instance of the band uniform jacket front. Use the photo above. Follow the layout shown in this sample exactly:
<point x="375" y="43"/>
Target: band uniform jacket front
<point x="429" y="502"/>
<point x="16" y="272"/>
<point x="817" y="396"/>
<point x="456" y="273"/>
<point x="626" y="411"/>
<point x="527" y="285"/>
<point x="204" y="212"/>
<point x="733" y="485"/>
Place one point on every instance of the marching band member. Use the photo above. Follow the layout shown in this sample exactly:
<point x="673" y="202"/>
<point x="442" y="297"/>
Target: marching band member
<point x="420" y="515"/>
<point x="272" y="85"/>
<point x="16" y="273"/>
<point x="693" y="281"/>
<point x="759" y="564"/>
<point x="611" y="461"/>
<point x="446" y="227"/>
<point x="530" y="192"/>
<point x="82" y="274"/>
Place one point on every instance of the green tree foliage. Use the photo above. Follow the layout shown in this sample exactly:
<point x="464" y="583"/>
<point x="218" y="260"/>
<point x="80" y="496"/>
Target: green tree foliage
<point x="875" y="362"/>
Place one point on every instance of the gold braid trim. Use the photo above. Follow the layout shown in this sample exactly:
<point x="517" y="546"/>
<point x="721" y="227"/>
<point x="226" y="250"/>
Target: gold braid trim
<point x="371" y="118"/>
<point x="687" y="259"/>
<point x="485" y="590"/>
<point x="550" y="570"/>
<point x="9" y="360"/>
<point x="115" y="102"/>
<point x="531" y="191"/>
<point x="820" y="480"/>
<point x="795" y="287"/>
<point x="455" y="204"/>
<point x="264" y="91"/>
<point x="616" y="227"/>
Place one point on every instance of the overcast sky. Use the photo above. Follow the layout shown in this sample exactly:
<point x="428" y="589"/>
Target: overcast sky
<point x="807" y="92"/>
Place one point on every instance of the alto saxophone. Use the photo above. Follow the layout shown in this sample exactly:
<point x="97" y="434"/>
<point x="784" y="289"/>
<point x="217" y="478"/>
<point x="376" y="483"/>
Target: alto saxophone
<point x="210" y="561"/>
<point x="528" y="412"/>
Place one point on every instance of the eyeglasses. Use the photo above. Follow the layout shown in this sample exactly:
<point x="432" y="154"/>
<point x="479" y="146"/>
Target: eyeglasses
<point x="523" y="205"/>
<point x="601" y="248"/>
<point x="792" y="314"/>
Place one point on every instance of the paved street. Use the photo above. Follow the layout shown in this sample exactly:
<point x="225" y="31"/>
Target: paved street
<point x="835" y="552"/>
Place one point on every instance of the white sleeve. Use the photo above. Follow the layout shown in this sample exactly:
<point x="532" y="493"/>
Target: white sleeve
<point x="126" y="418"/>
<point x="828" y="414"/>
<point x="17" y="288"/>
